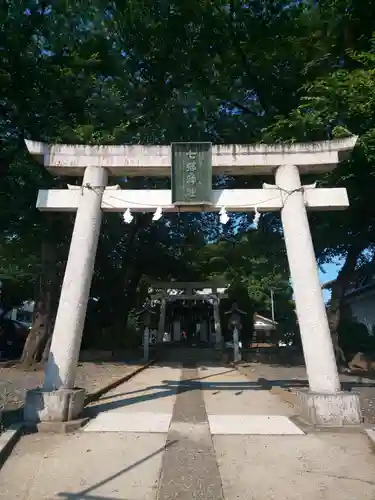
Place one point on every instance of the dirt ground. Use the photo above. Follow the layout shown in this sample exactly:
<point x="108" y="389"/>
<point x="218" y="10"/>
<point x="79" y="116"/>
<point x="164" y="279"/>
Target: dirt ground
<point x="14" y="382"/>
<point x="286" y="380"/>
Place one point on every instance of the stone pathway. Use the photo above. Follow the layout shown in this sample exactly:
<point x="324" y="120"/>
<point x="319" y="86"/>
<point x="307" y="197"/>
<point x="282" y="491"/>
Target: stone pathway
<point x="236" y="406"/>
<point x="144" y="404"/>
<point x="184" y="433"/>
<point x="189" y="468"/>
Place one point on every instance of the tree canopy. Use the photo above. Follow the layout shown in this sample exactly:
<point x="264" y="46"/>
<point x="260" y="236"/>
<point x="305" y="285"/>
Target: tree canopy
<point x="154" y="72"/>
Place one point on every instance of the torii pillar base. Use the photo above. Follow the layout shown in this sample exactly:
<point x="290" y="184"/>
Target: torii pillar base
<point x="330" y="410"/>
<point x="53" y="408"/>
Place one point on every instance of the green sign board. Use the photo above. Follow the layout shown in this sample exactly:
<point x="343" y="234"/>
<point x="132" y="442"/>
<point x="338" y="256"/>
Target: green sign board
<point x="191" y="173"/>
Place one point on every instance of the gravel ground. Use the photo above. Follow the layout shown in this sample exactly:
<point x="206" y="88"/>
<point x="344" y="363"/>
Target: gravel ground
<point x="291" y="378"/>
<point x="14" y="382"/>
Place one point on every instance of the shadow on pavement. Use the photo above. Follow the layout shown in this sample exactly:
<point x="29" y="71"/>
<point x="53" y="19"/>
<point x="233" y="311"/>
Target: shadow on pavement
<point x="170" y="387"/>
<point x="85" y="494"/>
<point x="153" y="387"/>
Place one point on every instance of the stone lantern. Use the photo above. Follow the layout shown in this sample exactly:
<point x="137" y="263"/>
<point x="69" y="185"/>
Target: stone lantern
<point x="235" y="324"/>
<point x="145" y="316"/>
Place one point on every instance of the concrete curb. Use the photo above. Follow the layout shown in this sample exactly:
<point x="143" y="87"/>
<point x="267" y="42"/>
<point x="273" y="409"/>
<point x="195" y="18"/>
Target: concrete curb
<point x="57" y="427"/>
<point x="94" y="396"/>
<point x="8" y="439"/>
<point x="371" y="435"/>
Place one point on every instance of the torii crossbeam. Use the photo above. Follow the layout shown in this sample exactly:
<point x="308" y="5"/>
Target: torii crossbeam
<point x="234" y="200"/>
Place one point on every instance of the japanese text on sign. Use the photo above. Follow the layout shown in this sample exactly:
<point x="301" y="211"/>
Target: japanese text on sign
<point x="191" y="173"/>
<point x="191" y="177"/>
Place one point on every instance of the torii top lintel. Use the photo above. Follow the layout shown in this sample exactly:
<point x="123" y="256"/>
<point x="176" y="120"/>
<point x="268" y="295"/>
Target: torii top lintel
<point x="234" y="159"/>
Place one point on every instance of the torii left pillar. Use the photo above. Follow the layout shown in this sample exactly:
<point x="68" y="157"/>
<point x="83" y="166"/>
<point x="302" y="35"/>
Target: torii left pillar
<point x="59" y="401"/>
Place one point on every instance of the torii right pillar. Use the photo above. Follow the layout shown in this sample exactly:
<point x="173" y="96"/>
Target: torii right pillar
<point x="324" y="404"/>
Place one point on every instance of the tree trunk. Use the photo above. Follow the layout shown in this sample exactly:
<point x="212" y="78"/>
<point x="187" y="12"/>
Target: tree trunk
<point x="132" y="283"/>
<point x="37" y="335"/>
<point x="47" y="348"/>
<point x="339" y="289"/>
<point x="133" y="266"/>
<point x="130" y="288"/>
<point x="41" y="330"/>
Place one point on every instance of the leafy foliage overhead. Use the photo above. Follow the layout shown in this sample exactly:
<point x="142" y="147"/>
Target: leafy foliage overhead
<point x="153" y="72"/>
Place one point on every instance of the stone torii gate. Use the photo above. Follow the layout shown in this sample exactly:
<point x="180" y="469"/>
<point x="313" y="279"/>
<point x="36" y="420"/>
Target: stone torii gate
<point x="211" y="291"/>
<point x="58" y="400"/>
